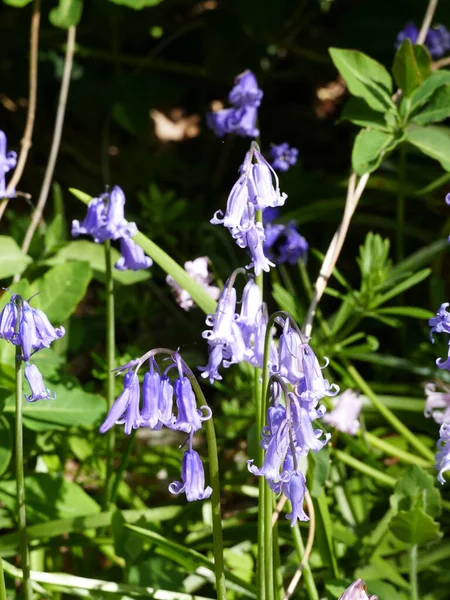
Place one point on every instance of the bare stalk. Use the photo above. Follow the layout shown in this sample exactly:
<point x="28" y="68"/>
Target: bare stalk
<point x="25" y="143"/>
<point x="354" y="193"/>
<point x="308" y="549"/>
<point x="431" y="9"/>
<point x="70" y="47"/>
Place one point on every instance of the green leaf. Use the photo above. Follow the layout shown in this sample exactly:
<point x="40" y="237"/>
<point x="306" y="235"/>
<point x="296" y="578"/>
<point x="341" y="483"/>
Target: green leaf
<point x="161" y="258"/>
<point x="71" y="407"/>
<point x="359" y="112"/>
<point x="12" y="260"/>
<point x="420" y="258"/>
<point x="401" y="287"/>
<point x="61" y="289"/>
<point x="190" y="559"/>
<point x="49" y="497"/>
<point x="6" y="444"/>
<point x="437" y="109"/>
<point x="324" y="531"/>
<point x="66" y="14"/>
<point x="415" y="527"/>
<point x="286" y="301"/>
<point x="94" y="254"/>
<point x="416" y="489"/>
<point x="321" y="462"/>
<point x="370" y="149"/>
<point x="432" y="141"/>
<point x="365" y="78"/>
<point x="137" y="4"/>
<point x="428" y="87"/>
<point x="17" y="3"/>
<point x="412" y="64"/>
<point x="407" y="311"/>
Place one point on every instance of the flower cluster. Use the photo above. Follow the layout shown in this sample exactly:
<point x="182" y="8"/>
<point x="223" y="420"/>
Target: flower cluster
<point x="8" y="161"/>
<point x="157" y="410"/>
<point x="256" y="189"/>
<point x="198" y="270"/>
<point x="29" y="328"/>
<point x="283" y="243"/>
<point x="290" y="433"/>
<point x="437" y="40"/>
<point x="242" y="117"/>
<point x="283" y="156"/>
<point x="105" y="220"/>
<point x="441" y="324"/>
<point x="345" y="414"/>
<point x="357" y="591"/>
<point x="236" y="337"/>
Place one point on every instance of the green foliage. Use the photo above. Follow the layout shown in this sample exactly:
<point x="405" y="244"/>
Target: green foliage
<point x="12" y="261"/>
<point x="371" y="146"/>
<point x="66" y="14"/>
<point x="137" y="4"/>
<point x="412" y="65"/>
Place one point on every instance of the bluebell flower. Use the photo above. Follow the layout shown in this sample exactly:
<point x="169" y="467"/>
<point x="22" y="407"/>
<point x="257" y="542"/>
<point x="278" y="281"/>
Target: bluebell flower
<point x="357" y="591"/>
<point x="125" y="409"/>
<point x="313" y="383"/>
<point x="251" y="306"/>
<point x="189" y="418"/>
<point x="290" y="354"/>
<point x="36" y="383"/>
<point x="151" y="397"/>
<point x="93" y="221"/>
<point x="215" y="358"/>
<point x="284" y="244"/>
<point x="307" y="438"/>
<point x="254" y="238"/>
<point x="241" y="119"/>
<point x="437" y="40"/>
<point x="441" y="324"/>
<point x="276" y="446"/>
<point x="264" y="187"/>
<point x="437" y="404"/>
<point x="192" y="478"/>
<point x="283" y="156"/>
<point x="133" y="257"/>
<point x="345" y="414"/>
<point x="442" y="462"/>
<point x="8" y="161"/>
<point x="294" y="488"/>
<point x="8" y="322"/>
<point x="221" y="321"/>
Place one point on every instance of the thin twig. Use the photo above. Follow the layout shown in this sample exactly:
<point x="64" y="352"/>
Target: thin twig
<point x="308" y="549"/>
<point x="439" y="64"/>
<point x="334" y="250"/>
<point x="25" y="143"/>
<point x="431" y="9"/>
<point x="55" y="142"/>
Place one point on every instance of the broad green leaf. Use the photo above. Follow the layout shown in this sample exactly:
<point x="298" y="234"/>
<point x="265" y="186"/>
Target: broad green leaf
<point x="49" y="497"/>
<point x="190" y="559"/>
<point x="412" y="64"/>
<point x="416" y="489"/>
<point x="50" y="529"/>
<point x="402" y="287"/>
<point x="437" y="109"/>
<point x="321" y="462"/>
<point x="66" y="14"/>
<point x="6" y="444"/>
<point x="18" y="3"/>
<point x="432" y="141"/>
<point x="370" y="149"/>
<point x="71" y="407"/>
<point x="94" y="254"/>
<point x="428" y="87"/>
<point x="12" y="260"/>
<point x="137" y="4"/>
<point x="365" y="78"/>
<point x="406" y="311"/>
<point x="61" y="289"/>
<point x="415" y="527"/>
<point x="167" y="264"/>
<point x="359" y="112"/>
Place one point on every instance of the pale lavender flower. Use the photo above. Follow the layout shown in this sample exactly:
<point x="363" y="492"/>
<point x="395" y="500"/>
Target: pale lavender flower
<point x="254" y="239"/>
<point x="313" y="383"/>
<point x="221" y="321"/>
<point x="357" y="591"/>
<point x="36" y="383"/>
<point x="290" y="354"/>
<point x="251" y="306"/>
<point x="215" y="358"/>
<point x="307" y="438"/>
<point x="45" y="332"/>
<point x="437" y="404"/>
<point x="133" y="257"/>
<point x="8" y="322"/>
<point x="189" y="418"/>
<point x="345" y="414"/>
<point x="125" y="409"/>
<point x="151" y="397"/>
<point x="8" y="161"/>
<point x="441" y="324"/>
<point x="276" y="447"/>
<point x="192" y="478"/>
<point x="264" y="187"/>
<point x="294" y="488"/>
<point x="283" y="156"/>
<point x="198" y="270"/>
<point x="442" y="462"/>
<point x="93" y="221"/>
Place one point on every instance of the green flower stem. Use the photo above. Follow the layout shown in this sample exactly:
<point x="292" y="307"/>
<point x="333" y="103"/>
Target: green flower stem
<point x="308" y="578"/>
<point x="3" y="595"/>
<point x="413" y="573"/>
<point x="362" y="467"/>
<point x="387" y="414"/>
<point x="122" y="467"/>
<point x="20" y="480"/>
<point x="279" y="588"/>
<point x="400" y="249"/>
<point x="214" y="478"/>
<point x="110" y="364"/>
<point x="261" y="494"/>
<point x="391" y="450"/>
<point x="268" y="542"/>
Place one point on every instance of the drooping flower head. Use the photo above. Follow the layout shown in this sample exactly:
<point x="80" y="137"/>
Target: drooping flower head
<point x="37" y="385"/>
<point x="357" y="591"/>
<point x="437" y="404"/>
<point x="198" y="270"/>
<point x="242" y="117"/>
<point x="441" y="324"/>
<point x="442" y="462"/>
<point x="437" y="40"/>
<point x="345" y="414"/>
<point x="8" y="161"/>
<point x="283" y="156"/>
<point x="192" y="478"/>
<point x="133" y="257"/>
